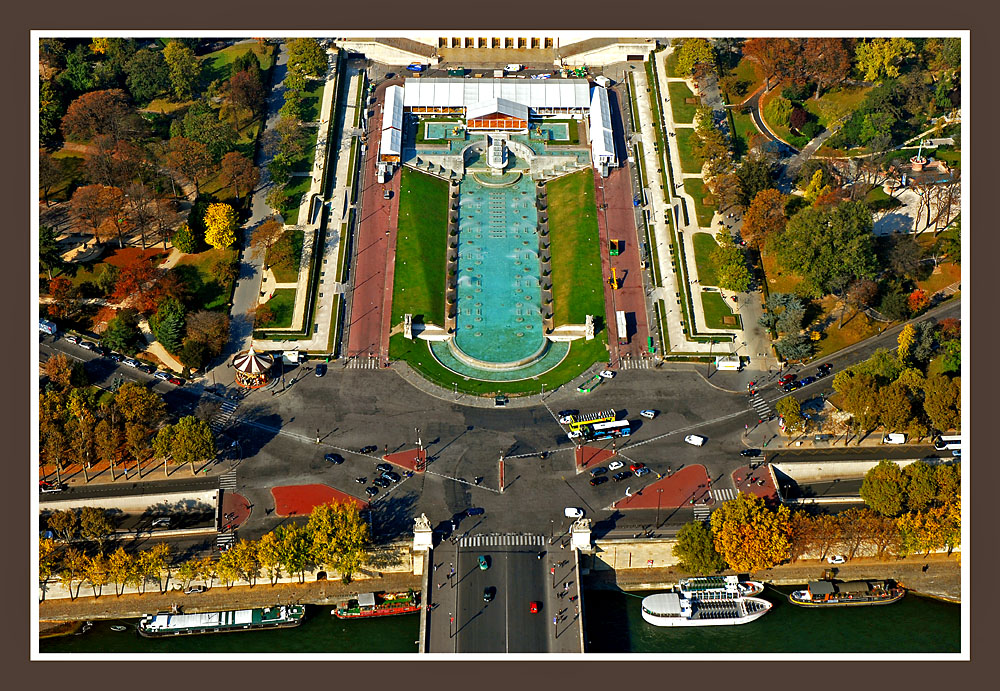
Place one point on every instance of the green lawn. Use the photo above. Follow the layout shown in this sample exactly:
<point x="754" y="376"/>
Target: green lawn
<point x="296" y="187"/>
<point x="703" y="211"/>
<point x="683" y="111"/>
<point x="836" y="102"/>
<point x="303" y="163"/>
<point x="283" y="304"/>
<point x="216" y="65"/>
<point x="312" y="101"/>
<point x="574" y="134"/>
<point x="704" y="244"/>
<point x="748" y="78"/>
<point x="196" y="271"/>
<point x="716" y="310"/>
<point x="74" y="175"/>
<point x="582" y="354"/>
<point x="878" y="200"/>
<point x="743" y="129"/>
<point x="689" y="162"/>
<point x="577" y="284"/>
<point x="421" y="248"/>
<point x="288" y="271"/>
<point x="671" y="64"/>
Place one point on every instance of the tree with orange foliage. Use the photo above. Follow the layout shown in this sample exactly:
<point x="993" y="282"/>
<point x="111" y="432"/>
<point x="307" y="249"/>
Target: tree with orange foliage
<point x="918" y="300"/>
<point x="764" y="217"/>
<point x="134" y="285"/>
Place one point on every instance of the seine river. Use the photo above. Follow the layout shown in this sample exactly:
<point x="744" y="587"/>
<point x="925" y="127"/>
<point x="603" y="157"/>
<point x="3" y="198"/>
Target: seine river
<point x="614" y="625"/>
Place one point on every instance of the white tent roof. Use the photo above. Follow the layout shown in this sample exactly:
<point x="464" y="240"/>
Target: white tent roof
<point x="392" y="111"/>
<point x="250" y="362"/>
<point x="459" y="93"/>
<point x="602" y="140"/>
<point x="392" y="143"/>
<point x="497" y="105"/>
<point x="663" y="603"/>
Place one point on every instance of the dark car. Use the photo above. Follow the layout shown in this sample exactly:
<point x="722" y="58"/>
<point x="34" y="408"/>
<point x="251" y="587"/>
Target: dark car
<point x="750" y="453"/>
<point x="391" y="477"/>
<point x="565" y="413"/>
<point x="381" y="482"/>
<point x="475" y="511"/>
<point x="371" y="448"/>
<point x="387" y="194"/>
<point x="600" y="470"/>
<point x="791" y="386"/>
<point x="489" y="592"/>
<point x="599" y="480"/>
<point x="382" y="467"/>
<point x="320" y="369"/>
<point x="334" y="458"/>
<point x="115" y="357"/>
<point x="618" y="477"/>
<point x="148" y="369"/>
<point x="807" y="381"/>
<point x="824" y="369"/>
<point x="371" y="491"/>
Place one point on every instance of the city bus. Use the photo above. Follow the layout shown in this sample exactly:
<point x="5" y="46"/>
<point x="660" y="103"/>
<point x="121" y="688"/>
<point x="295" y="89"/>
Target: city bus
<point x="578" y="421"/>
<point x="607" y="430"/>
<point x="622" y="327"/>
<point x="947" y="442"/>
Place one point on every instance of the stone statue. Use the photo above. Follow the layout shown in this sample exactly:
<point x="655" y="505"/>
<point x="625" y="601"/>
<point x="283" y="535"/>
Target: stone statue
<point x="421" y="522"/>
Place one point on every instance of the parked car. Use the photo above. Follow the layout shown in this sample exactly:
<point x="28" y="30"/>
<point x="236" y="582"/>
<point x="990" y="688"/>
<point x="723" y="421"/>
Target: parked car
<point x="618" y="477"/>
<point x="567" y="413"/>
<point x="148" y="369"/>
<point x="46" y="486"/>
<point x="615" y="465"/>
<point x="92" y="347"/>
<point x="387" y="194"/>
<point x="129" y="362"/>
<point x="807" y="381"/>
<point x="194" y="589"/>
<point x="475" y="511"/>
<point x="599" y="480"/>
<point x="784" y="379"/>
<point x="162" y="375"/>
<point x="484" y="563"/>
<point x="489" y="592"/>
<point x="894" y="438"/>
<point x="382" y="467"/>
<point x="750" y="453"/>
<point x="381" y="482"/>
<point x="334" y="458"/>
<point x="824" y="369"/>
<point x="392" y="477"/>
<point x="607" y="374"/>
<point x="70" y="338"/>
<point x="648" y="413"/>
<point x="320" y="369"/>
<point x="115" y="357"/>
<point x="695" y="439"/>
<point x="836" y="559"/>
<point x="642" y="471"/>
<point x="361" y="480"/>
<point x="636" y="466"/>
<point x="600" y="470"/>
<point x="371" y="491"/>
<point x="573" y="512"/>
<point x="371" y="448"/>
<point x="176" y="381"/>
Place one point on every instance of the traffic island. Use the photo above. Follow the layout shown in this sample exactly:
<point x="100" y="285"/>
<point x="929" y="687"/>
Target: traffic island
<point x="756" y="479"/>
<point x="410" y="459"/>
<point x="300" y="500"/>
<point x="687" y="487"/>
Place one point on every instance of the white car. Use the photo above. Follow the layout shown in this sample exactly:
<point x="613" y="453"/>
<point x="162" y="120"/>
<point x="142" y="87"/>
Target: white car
<point x="648" y="413"/>
<point x="695" y="439"/>
<point x="129" y="362"/>
<point x="615" y="465"/>
<point x="894" y="439"/>
<point x="573" y="512"/>
<point x="607" y="374"/>
<point x="836" y="559"/>
<point x="574" y="434"/>
<point x="565" y="419"/>
<point x="162" y="375"/>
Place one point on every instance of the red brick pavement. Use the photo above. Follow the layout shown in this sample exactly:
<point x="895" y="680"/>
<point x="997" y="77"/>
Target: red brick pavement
<point x="371" y="303"/>
<point x="592" y="455"/>
<point x="300" y="500"/>
<point x="679" y="489"/>
<point x="236" y="507"/>
<point x="617" y="221"/>
<point x="407" y="459"/>
<point x="758" y="481"/>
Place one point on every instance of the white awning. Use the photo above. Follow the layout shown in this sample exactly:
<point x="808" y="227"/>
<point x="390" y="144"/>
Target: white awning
<point x="497" y="105"/>
<point x="602" y="139"/>
<point x="250" y="362"/>
<point x="392" y="143"/>
<point x="392" y="110"/>
<point x="463" y="93"/>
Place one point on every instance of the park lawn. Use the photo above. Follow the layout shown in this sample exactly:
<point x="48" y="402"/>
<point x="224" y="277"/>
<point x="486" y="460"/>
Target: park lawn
<point x="836" y="102"/>
<point x="303" y="163"/>
<point x="683" y="111"/>
<point x="216" y="65"/>
<point x="577" y="283"/>
<point x="856" y="328"/>
<point x="196" y="270"/>
<point x="283" y="304"/>
<point x="312" y="100"/>
<point x="704" y="245"/>
<point x="690" y="163"/>
<point x="421" y="249"/>
<point x="949" y="273"/>
<point x="288" y="271"/>
<point x="779" y="280"/>
<point x="164" y="106"/>
<point x="716" y="310"/>
<point x="574" y="134"/>
<point x="295" y="188"/>
<point x="783" y="132"/>
<point x="743" y="130"/>
<point x="878" y="200"/>
<point x="671" y="64"/>
<point x="704" y="203"/>
<point x="582" y="354"/>
<point x="747" y="74"/>
<point x="74" y="175"/>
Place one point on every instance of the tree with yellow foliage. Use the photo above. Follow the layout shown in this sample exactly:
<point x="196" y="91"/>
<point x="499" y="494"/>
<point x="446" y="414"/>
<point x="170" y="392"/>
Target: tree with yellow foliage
<point x="220" y="225"/>
<point x="339" y="537"/>
<point x="749" y="535"/>
<point x="904" y="344"/>
<point x="99" y="46"/>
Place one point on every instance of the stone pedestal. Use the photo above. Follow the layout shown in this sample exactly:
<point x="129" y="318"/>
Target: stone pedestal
<point x="423" y="541"/>
<point x="590" y="327"/>
<point x="580" y="535"/>
<point x="408" y="326"/>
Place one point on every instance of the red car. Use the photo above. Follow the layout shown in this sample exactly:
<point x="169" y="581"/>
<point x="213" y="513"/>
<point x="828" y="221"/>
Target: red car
<point x="534" y="607"/>
<point x="785" y="379"/>
<point x="636" y="466"/>
<point x="175" y="381"/>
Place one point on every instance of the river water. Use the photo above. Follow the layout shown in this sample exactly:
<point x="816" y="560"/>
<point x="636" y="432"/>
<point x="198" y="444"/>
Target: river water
<point x="614" y="624"/>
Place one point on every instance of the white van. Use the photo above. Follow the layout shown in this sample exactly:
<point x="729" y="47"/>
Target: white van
<point x="894" y="439"/>
<point x="573" y="512"/>
<point x="695" y="439"/>
<point x="513" y="67"/>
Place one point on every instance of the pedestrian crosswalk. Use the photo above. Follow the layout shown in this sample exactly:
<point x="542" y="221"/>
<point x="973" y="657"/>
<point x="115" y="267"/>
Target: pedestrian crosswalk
<point x="228" y="480"/>
<point x="635" y="363"/>
<point x="760" y="406"/>
<point x="362" y="363"/>
<point x="701" y="512"/>
<point x="224" y="416"/>
<point x="723" y="494"/>
<point x="224" y="541"/>
<point x="502" y="540"/>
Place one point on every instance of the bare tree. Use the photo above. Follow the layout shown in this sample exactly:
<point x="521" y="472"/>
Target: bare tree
<point x="140" y="208"/>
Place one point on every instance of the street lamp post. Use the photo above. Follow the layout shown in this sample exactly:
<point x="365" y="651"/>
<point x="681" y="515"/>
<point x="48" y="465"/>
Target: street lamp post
<point x="659" y="494"/>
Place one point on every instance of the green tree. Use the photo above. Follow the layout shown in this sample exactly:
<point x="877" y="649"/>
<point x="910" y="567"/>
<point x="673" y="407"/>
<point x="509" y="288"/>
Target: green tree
<point x="147" y="75"/>
<point x="884" y="489"/>
<point x="201" y="124"/>
<point x="95" y="525"/>
<point x="921" y="486"/>
<point x="168" y="324"/>
<point x="695" y="549"/>
<point x="860" y="392"/>
<point x="244" y="558"/>
<point x="794" y="346"/>
<point x="790" y="410"/>
<point x="189" y="441"/>
<point x="49" y="254"/>
<point x="305" y="55"/>
<point x="339" y="537"/>
<point x="694" y="52"/>
<point x="78" y="75"/>
<point x="749" y="535"/>
<point x="951" y="361"/>
<point x="184" y="69"/>
<point x="778" y="110"/>
<point x="754" y="174"/>
<point x="65" y="524"/>
<point x="122" y="333"/>
<point x="220" y="225"/>
<point x="269" y="556"/>
<point x="185" y="240"/>
<point x="294" y="547"/>
<point x="50" y="112"/>
<point x="895" y="410"/>
<point x="942" y="401"/>
<point x="878" y="58"/>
